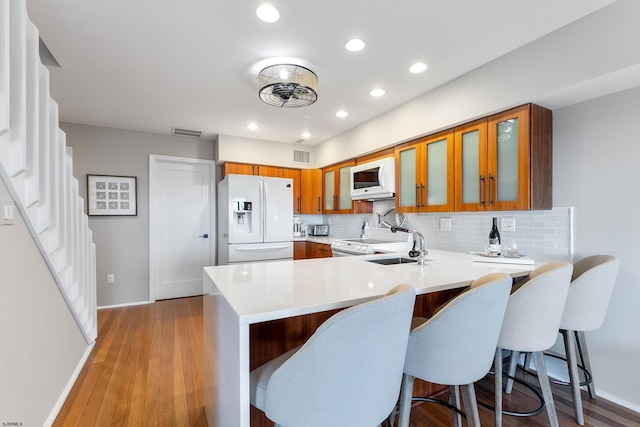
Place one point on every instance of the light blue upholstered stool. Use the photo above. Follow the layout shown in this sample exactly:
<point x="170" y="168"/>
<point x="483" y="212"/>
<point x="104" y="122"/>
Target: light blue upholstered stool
<point x="347" y="374"/>
<point x="456" y="346"/>
<point x="531" y="324"/>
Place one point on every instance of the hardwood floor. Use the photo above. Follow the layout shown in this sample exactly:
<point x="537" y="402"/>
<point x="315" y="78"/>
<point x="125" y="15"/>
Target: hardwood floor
<point x="146" y="370"/>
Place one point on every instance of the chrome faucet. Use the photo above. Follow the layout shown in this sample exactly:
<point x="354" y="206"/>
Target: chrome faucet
<point x="422" y="252"/>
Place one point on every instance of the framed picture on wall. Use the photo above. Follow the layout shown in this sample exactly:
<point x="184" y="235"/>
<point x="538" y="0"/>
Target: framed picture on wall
<point x="111" y="195"/>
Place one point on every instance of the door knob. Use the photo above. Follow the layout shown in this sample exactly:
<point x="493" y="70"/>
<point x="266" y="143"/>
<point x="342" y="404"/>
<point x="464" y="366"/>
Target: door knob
<point x="205" y="235"/>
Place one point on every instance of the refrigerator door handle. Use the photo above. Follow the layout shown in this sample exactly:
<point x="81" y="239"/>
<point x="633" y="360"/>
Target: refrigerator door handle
<point x="263" y="195"/>
<point x="261" y="248"/>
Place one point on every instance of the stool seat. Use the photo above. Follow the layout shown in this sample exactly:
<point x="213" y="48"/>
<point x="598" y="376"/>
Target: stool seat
<point x="456" y="346"/>
<point x="585" y="310"/>
<point x="348" y="373"/>
<point x="531" y="324"/>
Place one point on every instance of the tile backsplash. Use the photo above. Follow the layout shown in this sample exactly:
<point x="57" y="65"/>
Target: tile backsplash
<point x="542" y="235"/>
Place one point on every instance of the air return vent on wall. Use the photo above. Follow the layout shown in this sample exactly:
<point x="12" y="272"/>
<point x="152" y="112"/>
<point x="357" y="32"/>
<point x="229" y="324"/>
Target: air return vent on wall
<point x="186" y="132"/>
<point x="301" y="156"/>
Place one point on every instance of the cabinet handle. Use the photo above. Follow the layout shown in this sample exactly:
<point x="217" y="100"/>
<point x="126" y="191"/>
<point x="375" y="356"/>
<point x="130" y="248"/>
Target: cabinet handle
<point x="299" y="205"/>
<point x="490" y="185"/>
<point x="423" y="194"/>
<point x="319" y="205"/>
<point x="481" y="187"/>
<point x="417" y="196"/>
<point x="336" y="200"/>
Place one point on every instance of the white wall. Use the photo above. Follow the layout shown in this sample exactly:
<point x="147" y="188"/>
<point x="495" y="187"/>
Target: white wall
<point x="122" y="243"/>
<point x="257" y="151"/>
<point x="541" y="72"/>
<point x="41" y="343"/>
<point x="596" y="150"/>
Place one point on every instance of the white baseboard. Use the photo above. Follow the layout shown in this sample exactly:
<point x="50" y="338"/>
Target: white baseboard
<point x="557" y="369"/>
<point x="126" y="304"/>
<point x="615" y="399"/>
<point x="69" y="386"/>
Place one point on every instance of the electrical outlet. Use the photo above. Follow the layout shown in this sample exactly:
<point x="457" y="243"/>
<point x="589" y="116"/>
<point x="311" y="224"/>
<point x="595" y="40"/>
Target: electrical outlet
<point x="507" y="224"/>
<point x="111" y="278"/>
<point x="445" y="224"/>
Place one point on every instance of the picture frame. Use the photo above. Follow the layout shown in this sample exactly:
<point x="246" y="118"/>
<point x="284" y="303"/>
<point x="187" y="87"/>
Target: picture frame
<point x="112" y="195"/>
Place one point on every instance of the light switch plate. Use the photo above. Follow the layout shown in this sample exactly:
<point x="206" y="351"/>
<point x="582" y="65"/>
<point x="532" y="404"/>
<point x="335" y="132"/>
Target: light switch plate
<point x="7" y="211"/>
<point x="445" y="224"/>
<point x="507" y="224"/>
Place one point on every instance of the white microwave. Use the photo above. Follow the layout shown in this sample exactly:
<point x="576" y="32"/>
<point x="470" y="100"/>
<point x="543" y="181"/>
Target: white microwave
<point x="374" y="180"/>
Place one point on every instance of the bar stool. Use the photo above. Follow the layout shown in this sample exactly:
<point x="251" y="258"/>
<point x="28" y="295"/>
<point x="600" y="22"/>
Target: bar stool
<point x="531" y="324"/>
<point x="456" y="346"/>
<point x="349" y="371"/>
<point x="585" y="310"/>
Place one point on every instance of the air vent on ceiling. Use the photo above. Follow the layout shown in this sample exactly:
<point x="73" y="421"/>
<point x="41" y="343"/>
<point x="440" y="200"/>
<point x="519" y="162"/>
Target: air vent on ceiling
<point x="301" y="156"/>
<point x="186" y="132"/>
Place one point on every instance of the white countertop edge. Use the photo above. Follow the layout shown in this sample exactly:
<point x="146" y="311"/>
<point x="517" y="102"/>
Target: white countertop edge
<point x="254" y="292"/>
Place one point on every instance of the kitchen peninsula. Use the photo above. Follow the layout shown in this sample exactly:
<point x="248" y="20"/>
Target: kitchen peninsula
<point x="253" y="312"/>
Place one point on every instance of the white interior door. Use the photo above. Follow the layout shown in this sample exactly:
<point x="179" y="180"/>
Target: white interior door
<point x="181" y="213"/>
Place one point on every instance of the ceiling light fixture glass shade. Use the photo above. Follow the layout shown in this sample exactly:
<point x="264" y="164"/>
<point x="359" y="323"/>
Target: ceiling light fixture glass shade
<point x="288" y="86"/>
<point x="268" y="13"/>
<point x="418" y="67"/>
<point x="354" y="45"/>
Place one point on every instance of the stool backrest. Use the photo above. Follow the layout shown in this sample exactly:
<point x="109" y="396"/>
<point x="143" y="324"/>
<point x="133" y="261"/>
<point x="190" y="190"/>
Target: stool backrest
<point x="349" y="371"/>
<point x="456" y="346"/>
<point x="590" y="292"/>
<point x="535" y="309"/>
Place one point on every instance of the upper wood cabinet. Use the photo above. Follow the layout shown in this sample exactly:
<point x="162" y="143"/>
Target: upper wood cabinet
<point x="294" y="174"/>
<point x="504" y="162"/>
<point x="311" y="191"/>
<point x="238" y="168"/>
<point x="263" y="170"/>
<point x="425" y="174"/>
<point x="337" y="192"/>
<point x="251" y="169"/>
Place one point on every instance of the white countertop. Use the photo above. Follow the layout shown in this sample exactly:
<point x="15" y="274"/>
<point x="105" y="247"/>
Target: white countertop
<point x="259" y="292"/>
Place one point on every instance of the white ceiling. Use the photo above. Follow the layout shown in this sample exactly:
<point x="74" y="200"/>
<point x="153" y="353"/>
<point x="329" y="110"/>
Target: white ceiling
<point x="151" y="65"/>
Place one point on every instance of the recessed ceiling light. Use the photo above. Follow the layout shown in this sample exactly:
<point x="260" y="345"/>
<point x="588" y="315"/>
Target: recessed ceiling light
<point x="252" y="126"/>
<point x="268" y="13"/>
<point x="354" y="45"/>
<point x="341" y="114"/>
<point x="418" y="67"/>
<point x="377" y="92"/>
<point x="305" y="135"/>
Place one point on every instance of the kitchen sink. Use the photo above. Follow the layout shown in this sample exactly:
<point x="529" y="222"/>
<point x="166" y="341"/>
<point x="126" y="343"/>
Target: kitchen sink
<point x="392" y="261"/>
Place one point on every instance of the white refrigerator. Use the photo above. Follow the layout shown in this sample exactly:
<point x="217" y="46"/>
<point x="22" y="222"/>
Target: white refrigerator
<point x="255" y="219"/>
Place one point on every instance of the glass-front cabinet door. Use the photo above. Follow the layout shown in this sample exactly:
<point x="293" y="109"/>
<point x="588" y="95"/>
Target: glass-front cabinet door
<point x="408" y="177"/>
<point x="493" y="158"/>
<point x="508" y="159"/>
<point x="329" y="190"/>
<point x="471" y="166"/>
<point x="439" y="188"/>
<point x="344" y="184"/>
<point x="337" y="192"/>
<point x="424" y="174"/>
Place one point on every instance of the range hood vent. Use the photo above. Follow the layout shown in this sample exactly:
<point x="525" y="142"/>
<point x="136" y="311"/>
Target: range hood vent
<point x="186" y="132"/>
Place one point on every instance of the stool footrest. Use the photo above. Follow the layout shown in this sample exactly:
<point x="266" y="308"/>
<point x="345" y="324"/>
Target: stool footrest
<point x="514" y="413"/>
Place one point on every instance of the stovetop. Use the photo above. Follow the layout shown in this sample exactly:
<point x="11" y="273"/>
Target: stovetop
<point x="369" y="241"/>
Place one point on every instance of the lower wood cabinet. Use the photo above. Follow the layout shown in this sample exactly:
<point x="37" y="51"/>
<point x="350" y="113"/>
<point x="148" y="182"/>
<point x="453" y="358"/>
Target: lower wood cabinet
<point x="304" y="250"/>
<point x="318" y="250"/>
<point x="300" y="250"/>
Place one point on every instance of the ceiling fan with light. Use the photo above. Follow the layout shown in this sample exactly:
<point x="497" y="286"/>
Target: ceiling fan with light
<point x="288" y="86"/>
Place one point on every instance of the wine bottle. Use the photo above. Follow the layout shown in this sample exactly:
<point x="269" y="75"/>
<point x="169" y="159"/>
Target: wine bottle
<point x="494" y="238"/>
